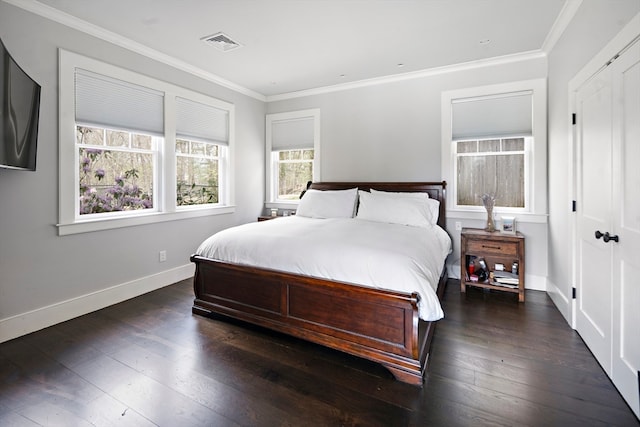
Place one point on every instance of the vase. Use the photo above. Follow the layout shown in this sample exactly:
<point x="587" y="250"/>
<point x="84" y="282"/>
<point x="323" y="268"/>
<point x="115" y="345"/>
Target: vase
<point x="491" y="225"/>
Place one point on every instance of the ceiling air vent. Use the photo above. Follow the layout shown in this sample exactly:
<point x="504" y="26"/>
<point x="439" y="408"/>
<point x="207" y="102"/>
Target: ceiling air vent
<point x="222" y="42"/>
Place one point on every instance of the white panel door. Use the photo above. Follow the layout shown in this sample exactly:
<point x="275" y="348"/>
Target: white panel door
<point x="594" y="256"/>
<point x="626" y="224"/>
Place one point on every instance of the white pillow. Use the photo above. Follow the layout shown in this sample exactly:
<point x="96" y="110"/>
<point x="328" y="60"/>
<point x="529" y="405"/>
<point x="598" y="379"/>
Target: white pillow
<point x="328" y="203"/>
<point x="432" y="204"/>
<point x="394" y="210"/>
<point x="413" y="195"/>
<point x="434" y="207"/>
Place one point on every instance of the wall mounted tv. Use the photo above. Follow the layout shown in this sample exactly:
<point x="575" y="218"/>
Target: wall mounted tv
<point x="19" y="112"/>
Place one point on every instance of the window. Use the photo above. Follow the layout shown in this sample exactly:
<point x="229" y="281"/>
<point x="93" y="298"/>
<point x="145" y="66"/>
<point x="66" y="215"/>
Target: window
<point x="201" y="153"/>
<point x="134" y="150"/>
<point x="115" y="170"/>
<point x="494" y="142"/>
<point x="197" y="172"/>
<point x="294" y="170"/>
<point x="494" y="166"/>
<point x="292" y="155"/>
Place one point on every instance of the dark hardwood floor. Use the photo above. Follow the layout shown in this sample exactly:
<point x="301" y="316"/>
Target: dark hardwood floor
<point x="149" y="361"/>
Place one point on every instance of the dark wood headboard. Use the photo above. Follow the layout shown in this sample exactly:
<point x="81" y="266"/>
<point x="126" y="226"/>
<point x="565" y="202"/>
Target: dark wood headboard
<point x="436" y="190"/>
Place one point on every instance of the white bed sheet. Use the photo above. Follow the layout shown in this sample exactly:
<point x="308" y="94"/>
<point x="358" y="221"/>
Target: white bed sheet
<point x="375" y="254"/>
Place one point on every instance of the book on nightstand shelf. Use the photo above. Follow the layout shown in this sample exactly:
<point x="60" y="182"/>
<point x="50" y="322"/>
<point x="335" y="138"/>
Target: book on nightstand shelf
<point x="505" y="285"/>
<point x="505" y="278"/>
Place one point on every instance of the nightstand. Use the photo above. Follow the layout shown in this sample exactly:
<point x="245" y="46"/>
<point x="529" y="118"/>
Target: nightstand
<point x="494" y="248"/>
<point x="266" y="217"/>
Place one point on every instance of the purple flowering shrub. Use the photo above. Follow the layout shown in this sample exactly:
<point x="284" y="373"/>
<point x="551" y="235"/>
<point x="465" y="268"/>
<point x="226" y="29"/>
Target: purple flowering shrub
<point x="124" y="194"/>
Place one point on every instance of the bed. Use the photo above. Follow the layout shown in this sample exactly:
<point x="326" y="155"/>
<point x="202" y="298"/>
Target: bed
<point x="378" y="324"/>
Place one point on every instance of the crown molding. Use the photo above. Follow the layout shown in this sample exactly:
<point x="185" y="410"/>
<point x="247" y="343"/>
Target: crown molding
<point x="561" y="23"/>
<point x="65" y="19"/>
<point x="489" y="62"/>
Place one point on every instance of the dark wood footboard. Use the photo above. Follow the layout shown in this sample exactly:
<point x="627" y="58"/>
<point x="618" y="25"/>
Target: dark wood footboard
<point x="379" y="325"/>
<point x="382" y="326"/>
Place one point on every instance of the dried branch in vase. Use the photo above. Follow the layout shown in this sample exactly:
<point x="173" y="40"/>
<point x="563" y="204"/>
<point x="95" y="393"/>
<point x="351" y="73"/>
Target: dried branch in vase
<point x="489" y="201"/>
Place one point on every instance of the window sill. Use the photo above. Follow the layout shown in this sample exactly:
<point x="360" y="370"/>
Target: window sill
<point x="524" y="217"/>
<point x="292" y="205"/>
<point x="87" y="226"/>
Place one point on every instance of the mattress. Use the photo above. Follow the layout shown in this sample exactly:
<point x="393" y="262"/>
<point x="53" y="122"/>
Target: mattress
<point x="351" y="250"/>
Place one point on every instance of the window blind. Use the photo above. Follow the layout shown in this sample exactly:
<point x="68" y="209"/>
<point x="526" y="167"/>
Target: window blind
<point x="493" y="116"/>
<point x="292" y="134"/>
<point x="201" y="122"/>
<point x="103" y="101"/>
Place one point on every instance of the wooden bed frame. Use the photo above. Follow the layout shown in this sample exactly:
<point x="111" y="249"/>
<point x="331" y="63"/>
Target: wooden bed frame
<point x="379" y="325"/>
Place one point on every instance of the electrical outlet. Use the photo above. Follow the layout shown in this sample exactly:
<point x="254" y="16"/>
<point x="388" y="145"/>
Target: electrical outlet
<point x="458" y="225"/>
<point x="162" y="256"/>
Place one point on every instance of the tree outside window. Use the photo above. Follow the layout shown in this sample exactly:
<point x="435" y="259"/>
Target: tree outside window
<point x="295" y="169"/>
<point x="197" y="172"/>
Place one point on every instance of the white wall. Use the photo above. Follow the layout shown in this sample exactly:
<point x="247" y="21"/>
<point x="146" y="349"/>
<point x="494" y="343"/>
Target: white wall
<point x="595" y="23"/>
<point x="45" y="278"/>
<point x="391" y="132"/>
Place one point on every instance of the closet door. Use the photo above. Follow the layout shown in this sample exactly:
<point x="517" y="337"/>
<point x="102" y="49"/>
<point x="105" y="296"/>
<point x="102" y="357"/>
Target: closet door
<point x="626" y="224"/>
<point x="608" y="220"/>
<point x="594" y="256"/>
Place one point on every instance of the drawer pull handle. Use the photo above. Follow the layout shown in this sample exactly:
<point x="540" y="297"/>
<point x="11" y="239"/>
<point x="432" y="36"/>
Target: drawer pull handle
<point x="491" y="247"/>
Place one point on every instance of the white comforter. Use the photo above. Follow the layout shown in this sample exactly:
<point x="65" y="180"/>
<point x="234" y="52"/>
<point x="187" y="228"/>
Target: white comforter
<point x="380" y="255"/>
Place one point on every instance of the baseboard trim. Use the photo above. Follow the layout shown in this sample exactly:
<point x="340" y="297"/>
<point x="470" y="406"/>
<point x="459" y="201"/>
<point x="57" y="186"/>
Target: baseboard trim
<point x="31" y="321"/>
<point x="561" y="301"/>
<point x="535" y="282"/>
<point x="453" y="270"/>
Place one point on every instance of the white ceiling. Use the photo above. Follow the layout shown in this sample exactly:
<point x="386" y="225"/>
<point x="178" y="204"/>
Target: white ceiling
<point x="297" y="45"/>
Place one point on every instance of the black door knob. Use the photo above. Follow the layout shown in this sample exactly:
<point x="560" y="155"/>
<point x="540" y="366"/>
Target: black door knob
<point x="607" y="237"/>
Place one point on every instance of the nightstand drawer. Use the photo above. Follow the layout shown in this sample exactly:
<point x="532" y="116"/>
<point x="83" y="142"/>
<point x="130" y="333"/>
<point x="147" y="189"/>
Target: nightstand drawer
<point x="492" y="248"/>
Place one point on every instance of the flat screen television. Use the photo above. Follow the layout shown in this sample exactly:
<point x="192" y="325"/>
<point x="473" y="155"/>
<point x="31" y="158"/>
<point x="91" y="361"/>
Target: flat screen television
<point x="19" y="113"/>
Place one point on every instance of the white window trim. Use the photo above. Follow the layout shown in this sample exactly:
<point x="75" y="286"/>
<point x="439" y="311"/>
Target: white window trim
<point x="271" y="190"/>
<point x="536" y="185"/>
<point x="69" y="222"/>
